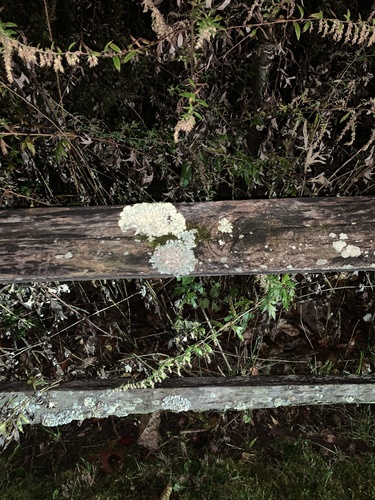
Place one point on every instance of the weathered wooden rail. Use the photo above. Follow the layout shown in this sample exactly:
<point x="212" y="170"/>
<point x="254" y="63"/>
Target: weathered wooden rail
<point x="239" y="237"/>
<point x="79" y="400"/>
<point x="268" y="236"/>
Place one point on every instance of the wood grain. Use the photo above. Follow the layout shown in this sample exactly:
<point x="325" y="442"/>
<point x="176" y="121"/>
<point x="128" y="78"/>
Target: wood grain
<point x="78" y="400"/>
<point x="269" y="236"/>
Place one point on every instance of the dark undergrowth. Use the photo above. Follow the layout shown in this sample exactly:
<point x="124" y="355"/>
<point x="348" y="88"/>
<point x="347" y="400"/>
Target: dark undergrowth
<point x="180" y="101"/>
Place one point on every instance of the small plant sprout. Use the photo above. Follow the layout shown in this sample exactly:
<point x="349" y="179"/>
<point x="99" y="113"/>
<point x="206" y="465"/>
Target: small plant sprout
<point x="154" y="220"/>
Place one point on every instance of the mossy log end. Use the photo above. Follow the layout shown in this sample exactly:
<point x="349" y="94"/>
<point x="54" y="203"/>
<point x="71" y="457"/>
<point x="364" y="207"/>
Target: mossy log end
<point x="268" y="236"/>
<point x="79" y="400"/>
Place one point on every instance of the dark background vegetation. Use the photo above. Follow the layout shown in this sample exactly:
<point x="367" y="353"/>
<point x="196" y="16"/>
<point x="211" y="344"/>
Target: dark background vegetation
<point x="277" y="115"/>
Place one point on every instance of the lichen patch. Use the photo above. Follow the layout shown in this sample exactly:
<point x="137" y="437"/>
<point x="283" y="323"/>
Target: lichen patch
<point x="339" y="245"/>
<point x="351" y="251"/>
<point x="176" y="403"/>
<point x="321" y="262"/>
<point x="152" y="220"/>
<point x="225" y="226"/>
<point x="344" y="249"/>
<point x="175" y="256"/>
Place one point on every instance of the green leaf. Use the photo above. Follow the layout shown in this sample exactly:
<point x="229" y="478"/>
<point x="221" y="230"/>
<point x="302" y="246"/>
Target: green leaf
<point x="129" y="56"/>
<point x="190" y="95"/>
<point x="117" y="63"/>
<point x="28" y="143"/>
<point x="204" y="303"/>
<point x="202" y="103"/>
<point x="114" y="47"/>
<point x="346" y="116"/>
<point x="186" y="174"/>
<point x="198" y="115"/>
<point x="317" y="15"/>
<point x="107" y="46"/>
<point x="61" y="149"/>
<point x="297" y="29"/>
<point x="306" y="26"/>
<point x="215" y="291"/>
<point x="301" y="11"/>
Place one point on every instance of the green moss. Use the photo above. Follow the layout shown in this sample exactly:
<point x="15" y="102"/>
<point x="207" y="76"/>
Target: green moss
<point x="162" y="240"/>
<point x="202" y="233"/>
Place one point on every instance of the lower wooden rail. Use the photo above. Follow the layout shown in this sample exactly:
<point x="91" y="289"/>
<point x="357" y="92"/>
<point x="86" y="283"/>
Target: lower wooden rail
<point x="78" y="400"/>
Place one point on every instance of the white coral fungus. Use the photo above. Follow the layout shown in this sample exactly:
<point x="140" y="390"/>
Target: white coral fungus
<point x="174" y="258"/>
<point x="152" y="220"/>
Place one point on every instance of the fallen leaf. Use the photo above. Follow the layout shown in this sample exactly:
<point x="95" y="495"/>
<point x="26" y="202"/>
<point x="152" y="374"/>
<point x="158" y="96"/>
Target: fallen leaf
<point x="246" y="457"/>
<point x="149" y="435"/>
<point x="285" y="327"/>
<point x="109" y="458"/>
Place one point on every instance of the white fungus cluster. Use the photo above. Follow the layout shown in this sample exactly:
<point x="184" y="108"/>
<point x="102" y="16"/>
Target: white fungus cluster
<point x="176" y="403"/>
<point x="342" y="247"/>
<point x="174" y="257"/>
<point x="152" y="220"/>
<point x="225" y="226"/>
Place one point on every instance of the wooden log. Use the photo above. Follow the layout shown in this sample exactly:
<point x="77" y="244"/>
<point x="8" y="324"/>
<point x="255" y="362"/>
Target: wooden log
<point x="266" y="236"/>
<point x="79" y="400"/>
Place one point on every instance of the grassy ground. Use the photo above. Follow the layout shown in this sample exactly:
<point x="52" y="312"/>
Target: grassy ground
<point x="208" y="456"/>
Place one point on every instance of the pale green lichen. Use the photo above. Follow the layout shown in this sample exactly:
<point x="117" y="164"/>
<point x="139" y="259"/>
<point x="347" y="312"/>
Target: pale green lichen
<point x="344" y="249"/>
<point x="175" y="258"/>
<point x="176" y="403"/>
<point x="225" y="226"/>
<point x="152" y="220"/>
<point x="165" y="228"/>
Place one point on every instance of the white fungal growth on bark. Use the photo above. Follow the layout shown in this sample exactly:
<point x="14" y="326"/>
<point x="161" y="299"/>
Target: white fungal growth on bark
<point x="344" y="249"/>
<point x="339" y="245"/>
<point x="174" y="257"/>
<point x="176" y="403"/>
<point x="351" y="251"/>
<point x="225" y="226"/>
<point x="152" y="220"/>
